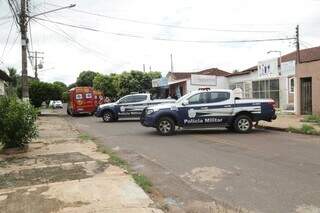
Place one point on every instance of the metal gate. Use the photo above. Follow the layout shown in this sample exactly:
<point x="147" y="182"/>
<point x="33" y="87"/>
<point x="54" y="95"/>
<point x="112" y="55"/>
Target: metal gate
<point x="306" y="96"/>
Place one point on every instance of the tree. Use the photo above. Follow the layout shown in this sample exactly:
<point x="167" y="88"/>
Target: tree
<point x="13" y="75"/>
<point x="72" y="86"/>
<point x="106" y="84"/>
<point x="86" y="78"/>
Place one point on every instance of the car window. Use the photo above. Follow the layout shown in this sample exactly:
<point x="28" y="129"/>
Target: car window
<point x="138" y="98"/>
<point x="197" y="99"/>
<point x="78" y="96"/>
<point x="214" y="97"/>
<point x="133" y="99"/>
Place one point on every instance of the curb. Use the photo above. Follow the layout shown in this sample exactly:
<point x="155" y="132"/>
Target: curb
<point x="273" y="128"/>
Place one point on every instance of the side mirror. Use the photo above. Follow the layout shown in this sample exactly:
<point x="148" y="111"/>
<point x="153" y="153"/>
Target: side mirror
<point x="185" y="102"/>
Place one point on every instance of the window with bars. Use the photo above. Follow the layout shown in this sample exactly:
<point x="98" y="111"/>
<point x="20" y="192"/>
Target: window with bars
<point x="266" y="89"/>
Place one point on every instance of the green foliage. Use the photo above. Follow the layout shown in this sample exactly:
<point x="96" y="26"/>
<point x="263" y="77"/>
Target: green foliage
<point x="304" y="129"/>
<point x="17" y="122"/>
<point x="105" y="84"/>
<point x="41" y="91"/>
<point x="72" y="86"/>
<point x="86" y="78"/>
<point x="117" y="85"/>
<point x="14" y="77"/>
<point x="312" y="119"/>
<point x="65" y="97"/>
<point x="143" y="182"/>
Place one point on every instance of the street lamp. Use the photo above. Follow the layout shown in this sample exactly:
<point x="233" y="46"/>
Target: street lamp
<point x="280" y="61"/>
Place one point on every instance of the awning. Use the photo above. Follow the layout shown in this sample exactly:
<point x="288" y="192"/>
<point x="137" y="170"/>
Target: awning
<point x="176" y="81"/>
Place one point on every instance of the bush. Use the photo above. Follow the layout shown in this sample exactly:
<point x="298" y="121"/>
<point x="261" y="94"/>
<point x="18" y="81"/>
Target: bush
<point x="312" y="119"/>
<point x="17" y="122"/>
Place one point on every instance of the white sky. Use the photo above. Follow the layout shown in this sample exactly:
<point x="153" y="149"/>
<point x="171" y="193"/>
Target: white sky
<point x="107" y="53"/>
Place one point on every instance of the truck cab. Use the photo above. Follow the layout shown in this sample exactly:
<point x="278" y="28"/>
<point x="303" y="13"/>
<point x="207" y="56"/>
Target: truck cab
<point x="212" y="108"/>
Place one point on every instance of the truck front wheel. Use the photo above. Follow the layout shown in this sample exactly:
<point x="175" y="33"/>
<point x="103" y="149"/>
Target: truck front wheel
<point x="166" y="126"/>
<point x="242" y="124"/>
<point x="107" y="116"/>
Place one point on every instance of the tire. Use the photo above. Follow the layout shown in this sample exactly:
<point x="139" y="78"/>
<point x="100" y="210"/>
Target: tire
<point x="107" y="116"/>
<point x="242" y="124"/>
<point x="166" y="126"/>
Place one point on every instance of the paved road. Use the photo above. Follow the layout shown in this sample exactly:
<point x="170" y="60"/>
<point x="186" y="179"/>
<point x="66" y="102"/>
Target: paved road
<point x="265" y="171"/>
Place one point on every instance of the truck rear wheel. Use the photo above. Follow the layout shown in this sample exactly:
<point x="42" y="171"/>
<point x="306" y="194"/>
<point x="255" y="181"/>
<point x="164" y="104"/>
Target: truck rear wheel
<point x="242" y="124"/>
<point x="166" y="126"/>
<point x="107" y="116"/>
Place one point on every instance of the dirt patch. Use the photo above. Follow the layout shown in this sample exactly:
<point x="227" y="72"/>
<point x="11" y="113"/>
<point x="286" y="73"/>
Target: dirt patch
<point x="208" y="175"/>
<point x="307" y="209"/>
<point x="50" y="159"/>
<point x="33" y="201"/>
<point x="36" y="176"/>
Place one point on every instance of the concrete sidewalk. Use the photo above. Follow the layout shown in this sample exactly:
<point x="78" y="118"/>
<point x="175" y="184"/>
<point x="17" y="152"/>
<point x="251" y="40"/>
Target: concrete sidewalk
<point x="62" y="173"/>
<point x="284" y="122"/>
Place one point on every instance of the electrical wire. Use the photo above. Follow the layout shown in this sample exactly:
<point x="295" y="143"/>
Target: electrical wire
<point x="165" y="39"/>
<point x="166" y="25"/>
<point x="7" y="40"/>
<point x="70" y="39"/>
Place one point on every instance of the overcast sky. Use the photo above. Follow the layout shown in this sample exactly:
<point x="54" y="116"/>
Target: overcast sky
<point x="68" y="51"/>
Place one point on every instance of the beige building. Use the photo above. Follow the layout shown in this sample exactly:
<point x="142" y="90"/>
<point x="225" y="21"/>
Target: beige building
<point x="295" y="88"/>
<point x="308" y="82"/>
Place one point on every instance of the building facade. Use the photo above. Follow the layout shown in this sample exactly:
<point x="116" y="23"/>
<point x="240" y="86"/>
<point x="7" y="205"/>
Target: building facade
<point x="4" y="79"/>
<point x="180" y="83"/>
<point x="293" y="85"/>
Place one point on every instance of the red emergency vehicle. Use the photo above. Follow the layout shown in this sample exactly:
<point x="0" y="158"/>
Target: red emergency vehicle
<point x="81" y="101"/>
<point x="98" y="98"/>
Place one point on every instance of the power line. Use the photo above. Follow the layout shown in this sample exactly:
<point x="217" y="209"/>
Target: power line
<point x="5" y="17"/>
<point x="165" y="39"/>
<point x="5" y="46"/>
<point x="168" y="25"/>
<point x="70" y="39"/>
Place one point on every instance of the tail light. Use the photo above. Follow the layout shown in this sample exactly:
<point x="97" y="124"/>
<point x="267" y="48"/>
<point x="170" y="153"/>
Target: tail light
<point x="272" y="104"/>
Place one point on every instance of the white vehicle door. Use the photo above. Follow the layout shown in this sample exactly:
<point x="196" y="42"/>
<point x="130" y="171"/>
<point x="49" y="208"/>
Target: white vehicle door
<point x="132" y="105"/>
<point x="208" y="108"/>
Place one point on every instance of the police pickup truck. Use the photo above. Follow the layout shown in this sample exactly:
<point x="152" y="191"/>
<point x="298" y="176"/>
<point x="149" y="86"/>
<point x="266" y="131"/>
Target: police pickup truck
<point x="128" y="106"/>
<point x="212" y="108"/>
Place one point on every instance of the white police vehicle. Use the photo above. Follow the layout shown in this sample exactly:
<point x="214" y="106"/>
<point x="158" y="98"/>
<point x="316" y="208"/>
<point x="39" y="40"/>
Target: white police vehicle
<point x="129" y="106"/>
<point x="212" y="108"/>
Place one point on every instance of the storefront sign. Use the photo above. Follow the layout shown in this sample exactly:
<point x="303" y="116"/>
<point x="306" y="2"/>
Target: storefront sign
<point x="160" y="82"/>
<point x="288" y="68"/>
<point x="207" y="80"/>
<point x="268" y="68"/>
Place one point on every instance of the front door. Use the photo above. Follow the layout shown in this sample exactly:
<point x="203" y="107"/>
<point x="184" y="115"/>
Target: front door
<point x="209" y="108"/>
<point x="306" y="96"/>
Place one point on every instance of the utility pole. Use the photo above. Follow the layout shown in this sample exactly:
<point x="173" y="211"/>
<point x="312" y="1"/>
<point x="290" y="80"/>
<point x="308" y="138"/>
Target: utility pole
<point x="171" y="59"/>
<point x="150" y="68"/>
<point x="36" y="66"/>
<point x="24" y="43"/>
<point x="22" y="18"/>
<point x="144" y="67"/>
<point x="297" y="45"/>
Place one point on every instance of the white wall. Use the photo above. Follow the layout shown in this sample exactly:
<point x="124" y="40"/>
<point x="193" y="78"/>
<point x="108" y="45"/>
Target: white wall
<point x="2" y="91"/>
<point x="222" y="83"/>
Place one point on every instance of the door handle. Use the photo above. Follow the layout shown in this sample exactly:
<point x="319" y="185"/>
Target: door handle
<point x="204" y="108"/>
<point x="227" y="106"/>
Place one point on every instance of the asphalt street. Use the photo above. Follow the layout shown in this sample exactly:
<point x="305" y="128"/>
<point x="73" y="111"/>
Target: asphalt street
<point x="265" y="171"/>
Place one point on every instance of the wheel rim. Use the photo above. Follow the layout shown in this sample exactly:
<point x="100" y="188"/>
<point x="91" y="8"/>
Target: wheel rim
<point x="243" y="124"/>
<point x="107" y="117"/>
<point x="165" y="126"/>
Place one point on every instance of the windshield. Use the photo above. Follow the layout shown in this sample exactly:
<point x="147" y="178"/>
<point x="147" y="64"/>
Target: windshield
<point x="183" y="97"/>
